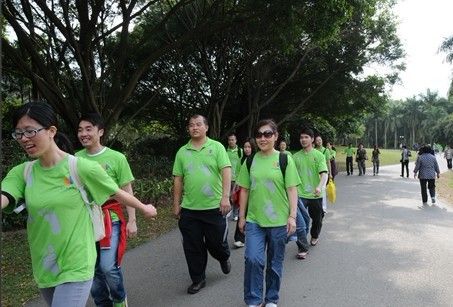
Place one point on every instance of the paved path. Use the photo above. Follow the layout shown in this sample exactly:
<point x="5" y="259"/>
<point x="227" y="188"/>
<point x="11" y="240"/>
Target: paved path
<point x="377" y="248"/>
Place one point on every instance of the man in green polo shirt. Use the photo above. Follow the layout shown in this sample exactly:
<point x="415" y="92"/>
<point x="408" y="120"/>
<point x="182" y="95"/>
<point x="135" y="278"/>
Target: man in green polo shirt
<point x="235" y="155"/>
<point x="350" y="152"/>
<point x="312" y="168"/>
<point x="203" y="171"/>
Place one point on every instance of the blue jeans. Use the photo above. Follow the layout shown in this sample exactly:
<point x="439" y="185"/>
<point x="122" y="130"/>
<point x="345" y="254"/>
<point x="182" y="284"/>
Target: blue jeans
<point x="257" y="239"/>
<point x="108" y="284"/>
<point x="69" y="294"/>
<point x="302" y="224"/>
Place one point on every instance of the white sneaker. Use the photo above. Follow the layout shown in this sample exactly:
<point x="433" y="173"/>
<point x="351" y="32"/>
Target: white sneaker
<point x="238" y="244"/>
<point x="271" y="305"/>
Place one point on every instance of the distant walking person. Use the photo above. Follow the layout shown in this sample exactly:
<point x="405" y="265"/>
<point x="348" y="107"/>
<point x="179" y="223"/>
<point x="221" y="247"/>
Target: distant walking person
<point x="405" y="154"/>
<point x="283" y="147"/>
<point x="375" y="158"/>
<point x="234" y="154"/>
<point x="268" y="208"/>
<point x="361" y="157"/>
<point x="333" y="162"/>
<point x="448" y="154"/>
<point x="350" y="152"/>
<point x="203" y="171"/>
<point x="427" y="168"/>
<point x="249" y="149"/>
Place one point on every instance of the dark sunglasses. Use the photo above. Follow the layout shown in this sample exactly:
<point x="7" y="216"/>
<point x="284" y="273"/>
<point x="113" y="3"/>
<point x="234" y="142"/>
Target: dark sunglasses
<point x="267" y="134"/>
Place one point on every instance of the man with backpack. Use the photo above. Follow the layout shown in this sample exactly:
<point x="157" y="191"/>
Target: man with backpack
<point x="108" y="287"/>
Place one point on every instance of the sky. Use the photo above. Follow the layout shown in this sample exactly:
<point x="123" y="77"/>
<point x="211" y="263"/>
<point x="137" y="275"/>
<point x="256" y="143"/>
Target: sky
<point x="422" y="28"/>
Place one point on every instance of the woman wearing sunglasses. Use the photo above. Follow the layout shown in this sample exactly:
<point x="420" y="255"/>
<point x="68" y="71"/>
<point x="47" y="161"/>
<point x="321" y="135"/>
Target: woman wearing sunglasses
<point x="270" y="199"/>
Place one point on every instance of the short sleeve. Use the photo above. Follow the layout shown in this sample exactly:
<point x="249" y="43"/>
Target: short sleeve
<point x="96" y="180"/>
<point x="291" y="175"/>
<point x="14" y="185"/>
<point x="244" y="177"/>
<point x="124" y="172"/>
<point x="177" y="165"/>
<point x="222" y="157"/>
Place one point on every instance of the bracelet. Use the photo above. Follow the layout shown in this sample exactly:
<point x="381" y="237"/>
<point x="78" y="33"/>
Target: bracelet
<point x="292" y="217"/>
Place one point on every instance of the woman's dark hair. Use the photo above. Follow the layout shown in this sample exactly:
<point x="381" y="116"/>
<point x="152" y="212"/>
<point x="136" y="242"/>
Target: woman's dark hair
<point x="265" y="122"/>
<point x="64" y="143"/>
<point x="252" y="143"/>
<point x="43" y="113"/>
<point x="38" y="111"/>
<point x="94" y="118"/>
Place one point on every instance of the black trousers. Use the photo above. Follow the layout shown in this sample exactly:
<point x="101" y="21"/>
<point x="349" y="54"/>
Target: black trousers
<point x="349" y="168"/>
<point x="316" y="213"/>
<point x="405" y="164"/>
<point x="449" y="163"/>
<point x="203" y="231"/>
<point x="431" y="187"/>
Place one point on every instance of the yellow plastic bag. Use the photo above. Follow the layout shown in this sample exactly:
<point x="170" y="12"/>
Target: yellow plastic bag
<point x="331" y="191"/>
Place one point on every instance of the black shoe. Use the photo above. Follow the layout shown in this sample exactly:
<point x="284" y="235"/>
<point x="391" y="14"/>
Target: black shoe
<point x="225" y="266"/>
<point x="196" y="286"/>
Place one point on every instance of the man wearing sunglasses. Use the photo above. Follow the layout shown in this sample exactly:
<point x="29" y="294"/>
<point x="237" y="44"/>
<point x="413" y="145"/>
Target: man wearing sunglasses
<point x="202" y="170"/>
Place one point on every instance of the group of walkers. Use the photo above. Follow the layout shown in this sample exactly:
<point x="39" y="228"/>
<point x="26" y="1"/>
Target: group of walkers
<point x="67" y="264"/>
<point x="361" y="157"/>
<point x="276" y="194"/>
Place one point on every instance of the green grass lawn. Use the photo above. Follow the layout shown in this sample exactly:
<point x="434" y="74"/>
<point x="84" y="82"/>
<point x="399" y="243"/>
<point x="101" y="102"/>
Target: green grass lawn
<point x="387" y="157"/>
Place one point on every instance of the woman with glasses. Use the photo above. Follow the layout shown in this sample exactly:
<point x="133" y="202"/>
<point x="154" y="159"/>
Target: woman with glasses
<point x="59" y="227"/>
<point x="270" y="199"/>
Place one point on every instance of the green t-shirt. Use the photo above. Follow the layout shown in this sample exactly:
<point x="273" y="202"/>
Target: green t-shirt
<point x="268" y="204"/>
<point x="59" y="227"/>
<point x="309" y="165"/>
<point x="201" y="170"/>
<point x="116" y="166"/>
<point x="333" y="154"/>
<point x="325" y="152"/>
<point x="235" y="161"/>
<point x="349" y="152"/>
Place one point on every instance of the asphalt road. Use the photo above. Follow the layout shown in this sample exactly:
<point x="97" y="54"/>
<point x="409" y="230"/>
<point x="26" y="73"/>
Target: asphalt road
<point x="378" y="247"/>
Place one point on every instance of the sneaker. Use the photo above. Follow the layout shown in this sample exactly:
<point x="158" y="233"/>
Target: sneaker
<point x="425" y="205"/>
<point x="121" y="304"/>
<point x="433" y="200"/>
<point x="238" y="244"/>
<point x="271" y="305"/>
<point x="235" y="218"/>
<point x="225" y="266"/>
<point x="301" y="255"/>
<point x="313" y="242"/>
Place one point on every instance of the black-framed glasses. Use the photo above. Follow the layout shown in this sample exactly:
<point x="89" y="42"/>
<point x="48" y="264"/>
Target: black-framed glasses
<point x="17" y="135"/>
<point x="267" y="134"/>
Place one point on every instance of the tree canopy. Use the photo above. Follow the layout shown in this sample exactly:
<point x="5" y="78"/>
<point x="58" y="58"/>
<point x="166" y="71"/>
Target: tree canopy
<point x="234" y="61"/>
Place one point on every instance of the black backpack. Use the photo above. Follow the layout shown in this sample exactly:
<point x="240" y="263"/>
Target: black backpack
<point x="282" y="161"/>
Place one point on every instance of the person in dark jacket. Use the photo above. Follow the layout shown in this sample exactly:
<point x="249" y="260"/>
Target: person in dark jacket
<point x="427" y="169"/>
